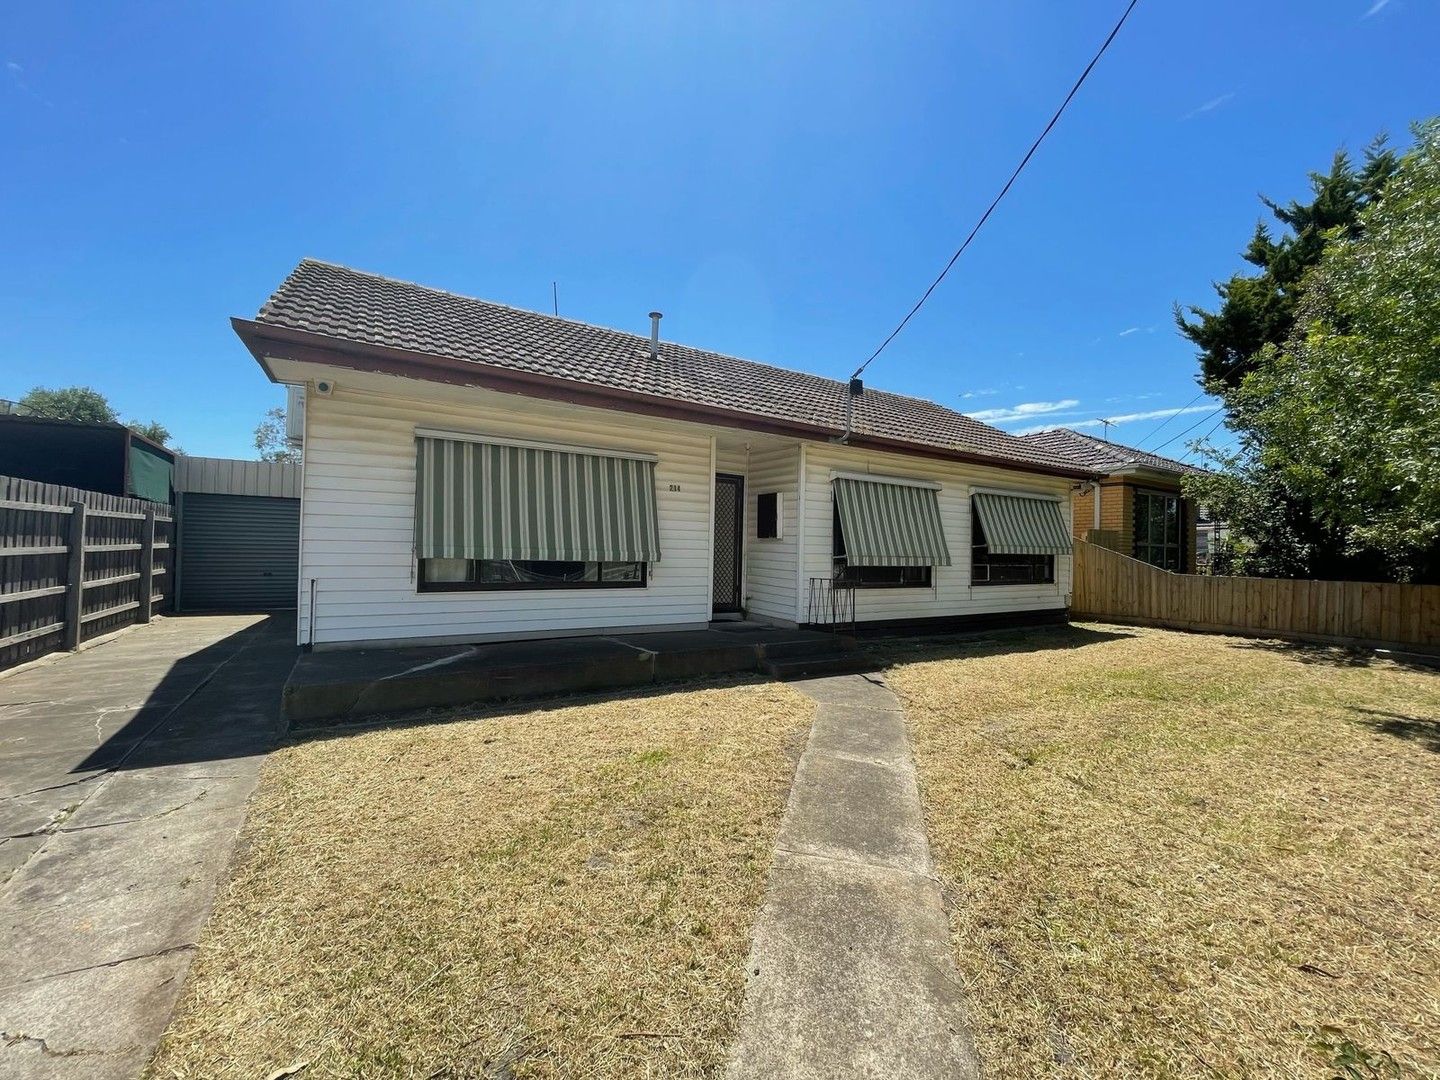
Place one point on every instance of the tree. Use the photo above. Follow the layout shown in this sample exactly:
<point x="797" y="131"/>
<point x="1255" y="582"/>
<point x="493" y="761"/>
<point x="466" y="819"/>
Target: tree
<point x="155" y="431"/>
<point x="1343" y="417"/>
<point x="89" y="405"/>
<point x="1257" y="310"/>
<point x="270" y="438"/>
<point x="70" y="403"/>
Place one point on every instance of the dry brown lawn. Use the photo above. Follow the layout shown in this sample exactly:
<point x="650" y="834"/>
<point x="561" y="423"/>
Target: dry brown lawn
<point x="1184" y="855"/>
<point x="564" y="890"/>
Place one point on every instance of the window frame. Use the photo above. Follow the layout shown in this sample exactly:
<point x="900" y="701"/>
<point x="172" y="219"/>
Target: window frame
<point x="475" y="585"/>
<point x="1164" y="545"/>
<point x="980" y="557"/>
<point x="779" y="497"/>
<point x="840" y="569"/>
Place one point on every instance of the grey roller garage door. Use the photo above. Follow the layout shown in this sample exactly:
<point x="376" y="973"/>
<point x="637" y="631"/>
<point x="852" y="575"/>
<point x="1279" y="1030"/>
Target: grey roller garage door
<point x="238" y="552"/>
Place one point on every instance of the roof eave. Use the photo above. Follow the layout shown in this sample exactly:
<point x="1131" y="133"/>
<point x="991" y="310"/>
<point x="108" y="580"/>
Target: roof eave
<point x="1143" y="471"/>
<point x="265" y="340"/>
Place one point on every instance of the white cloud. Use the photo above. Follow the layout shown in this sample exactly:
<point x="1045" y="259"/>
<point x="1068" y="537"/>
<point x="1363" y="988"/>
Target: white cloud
<point x="1124" y="418"/>
<point x="1375" y="8"/>
<point x="1132" y="330"/>
<point x="1022" y="411"/>
<point x="1153" y="414"/>
<point x="977" y="393"/>
<point x="1215" y="103"/>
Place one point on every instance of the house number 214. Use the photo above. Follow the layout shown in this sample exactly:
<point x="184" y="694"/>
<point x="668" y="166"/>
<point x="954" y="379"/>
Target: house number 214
<point x="674" y="487"/>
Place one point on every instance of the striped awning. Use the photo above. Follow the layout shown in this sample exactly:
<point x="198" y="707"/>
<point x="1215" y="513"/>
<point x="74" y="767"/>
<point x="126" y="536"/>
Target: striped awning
<point x="478" y="500"/>
<point x="1015" y="525"/>
<point x="890" y="524"/>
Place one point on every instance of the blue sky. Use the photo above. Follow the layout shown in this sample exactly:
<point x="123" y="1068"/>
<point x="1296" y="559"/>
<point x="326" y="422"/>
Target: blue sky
<point x="782" y="180"/>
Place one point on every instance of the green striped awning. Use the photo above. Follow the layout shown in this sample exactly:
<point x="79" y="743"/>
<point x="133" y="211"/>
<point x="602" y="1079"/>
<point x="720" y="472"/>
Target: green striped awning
<point x="890" y="524"/>
<point x="1015" y="525"/>
<point x="477" y="500"/>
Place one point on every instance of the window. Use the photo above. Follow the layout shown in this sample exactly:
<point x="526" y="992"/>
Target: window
<point x="500" y="515"/>
<point x="769" y="515"/>
<point x="455" y="575"/>
<point x="873" y="577"/>
<point x="988" y="569"/>
<point x="1159" y="530"/>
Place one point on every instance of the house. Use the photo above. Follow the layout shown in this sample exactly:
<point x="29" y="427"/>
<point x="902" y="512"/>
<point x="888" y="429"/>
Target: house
<point x="474" y="472"/>
<point x="93" y="455"/>
<point x="1137" y="507"/>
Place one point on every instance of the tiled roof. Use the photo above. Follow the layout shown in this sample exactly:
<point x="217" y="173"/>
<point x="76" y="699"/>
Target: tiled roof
<point x="1105" y="456"/>
<point x="337" y="302"/>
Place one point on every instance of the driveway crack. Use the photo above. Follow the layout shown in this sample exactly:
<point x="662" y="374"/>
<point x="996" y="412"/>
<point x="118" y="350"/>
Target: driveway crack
<point x="131" y="821"/>
<point x="188" y="947"/>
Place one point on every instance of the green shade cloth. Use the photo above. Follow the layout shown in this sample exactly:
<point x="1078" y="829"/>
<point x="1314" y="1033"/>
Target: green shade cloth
<point x="150" y="473"/>
<point x="491" y="501"/>
<point x="890" y="524"/>
<point x="1018" y="526"/>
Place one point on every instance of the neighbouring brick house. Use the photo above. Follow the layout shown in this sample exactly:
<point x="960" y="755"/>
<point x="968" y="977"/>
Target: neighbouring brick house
<point x="1141" y="511"/>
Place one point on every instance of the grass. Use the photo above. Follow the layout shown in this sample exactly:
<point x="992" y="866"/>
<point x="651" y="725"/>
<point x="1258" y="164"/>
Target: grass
<point x="1179" y="855"/>
<point x="559" y="890"/>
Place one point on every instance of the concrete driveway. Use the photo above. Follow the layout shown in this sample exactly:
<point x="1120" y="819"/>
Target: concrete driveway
<point x="124" y="772"/>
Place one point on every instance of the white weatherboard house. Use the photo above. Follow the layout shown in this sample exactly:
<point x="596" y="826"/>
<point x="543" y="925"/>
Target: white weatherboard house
<point x="473" y="472"/>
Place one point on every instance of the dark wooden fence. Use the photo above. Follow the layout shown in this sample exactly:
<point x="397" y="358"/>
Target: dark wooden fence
<point x="75" y="565"/>
<point x="1108" y="585"/>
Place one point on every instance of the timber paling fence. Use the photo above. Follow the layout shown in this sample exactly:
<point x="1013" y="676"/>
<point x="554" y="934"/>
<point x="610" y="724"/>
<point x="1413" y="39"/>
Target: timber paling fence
<point x="1111" y="586"/>
<point x="75" y="565"/>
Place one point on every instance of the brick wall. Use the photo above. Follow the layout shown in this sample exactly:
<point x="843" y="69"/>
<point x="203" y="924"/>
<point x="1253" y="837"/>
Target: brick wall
<point x="1117" y="518"/>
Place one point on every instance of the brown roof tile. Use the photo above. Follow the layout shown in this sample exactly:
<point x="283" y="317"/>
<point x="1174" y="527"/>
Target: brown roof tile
<point x="1104" y="455"/>
<point x="345" y="304"/>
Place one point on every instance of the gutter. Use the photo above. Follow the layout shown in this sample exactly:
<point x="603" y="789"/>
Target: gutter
<point x="265" y="340"/>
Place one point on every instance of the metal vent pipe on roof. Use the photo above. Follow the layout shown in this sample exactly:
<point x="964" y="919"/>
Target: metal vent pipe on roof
<point x="655" y="318"/>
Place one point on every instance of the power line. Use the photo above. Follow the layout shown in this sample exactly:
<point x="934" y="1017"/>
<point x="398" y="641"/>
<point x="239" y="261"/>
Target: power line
<point x="1178" y="412"/>
<point x="1003" y="191"/>
<point x="1202" y="439"/>
<point x="1233" y="366"/>
<point x="1192" y="427"/>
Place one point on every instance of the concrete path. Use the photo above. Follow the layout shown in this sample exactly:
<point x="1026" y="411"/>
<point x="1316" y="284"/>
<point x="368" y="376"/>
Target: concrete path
<point x="124" y="772"/>
<point x="850" y="971"/>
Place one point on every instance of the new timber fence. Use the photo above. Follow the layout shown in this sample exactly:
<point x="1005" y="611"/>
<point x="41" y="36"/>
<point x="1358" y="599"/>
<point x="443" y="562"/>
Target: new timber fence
<point x="75" y="565"/>
<point x="1108" y="585"/>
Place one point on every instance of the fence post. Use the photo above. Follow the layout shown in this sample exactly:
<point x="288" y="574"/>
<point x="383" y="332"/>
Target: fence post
<point x="147" y="565"/>
<point x="74" y="575"/>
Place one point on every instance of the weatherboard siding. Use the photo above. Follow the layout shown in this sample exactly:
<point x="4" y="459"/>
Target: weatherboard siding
<point x="951" y="593"/>
<point x="770" y="577"/>
<point x="358" y="520"/>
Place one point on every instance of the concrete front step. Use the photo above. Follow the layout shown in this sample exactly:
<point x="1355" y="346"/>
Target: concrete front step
<point x="821" y="645"/>
<point x="805" y="667"/>
<point x="343" y="684"/>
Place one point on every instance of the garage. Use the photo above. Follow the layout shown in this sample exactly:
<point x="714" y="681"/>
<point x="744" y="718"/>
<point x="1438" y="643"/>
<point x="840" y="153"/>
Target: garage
<point x="239" y="535"/>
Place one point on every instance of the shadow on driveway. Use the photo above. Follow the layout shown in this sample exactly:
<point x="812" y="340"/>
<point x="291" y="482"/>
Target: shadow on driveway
<point x="124" y="773"/>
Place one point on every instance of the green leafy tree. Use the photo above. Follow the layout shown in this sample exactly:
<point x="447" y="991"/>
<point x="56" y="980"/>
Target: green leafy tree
<point x="70" y="403"/>
<point x="1259" y="309"/>
<point x="270" y="438"/>
<point x="1339" y="425"/>
<point x="89" y="405"/>
<point x="154" y="431"/>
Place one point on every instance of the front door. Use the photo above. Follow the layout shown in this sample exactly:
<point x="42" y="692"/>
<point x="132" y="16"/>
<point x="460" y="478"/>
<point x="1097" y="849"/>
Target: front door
<point x="729" y="537"/>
